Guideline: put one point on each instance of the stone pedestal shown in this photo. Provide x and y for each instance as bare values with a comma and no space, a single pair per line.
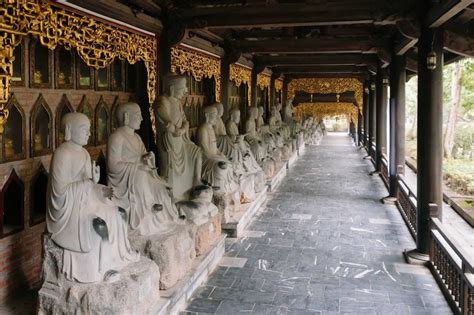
173,252
207,234
226,203
276,179
136,292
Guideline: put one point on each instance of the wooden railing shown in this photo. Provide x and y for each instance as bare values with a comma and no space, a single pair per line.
373,151
406,202
453,269
384,171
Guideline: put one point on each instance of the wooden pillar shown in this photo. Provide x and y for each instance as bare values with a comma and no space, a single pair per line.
372,117
272,90
164,60
359,127
253,87
284,91
366,113
225,79
381,117
429,144
397,121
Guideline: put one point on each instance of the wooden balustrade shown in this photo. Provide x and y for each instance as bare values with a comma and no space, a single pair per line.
406,202
384,171
453,269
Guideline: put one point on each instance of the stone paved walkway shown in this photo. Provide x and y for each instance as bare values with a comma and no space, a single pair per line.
324,244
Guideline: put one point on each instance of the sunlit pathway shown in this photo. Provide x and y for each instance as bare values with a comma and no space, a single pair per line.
324,244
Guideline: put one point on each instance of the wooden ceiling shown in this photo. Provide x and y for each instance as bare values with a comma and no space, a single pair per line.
309,38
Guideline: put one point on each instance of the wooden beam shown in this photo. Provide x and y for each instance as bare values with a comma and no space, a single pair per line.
308,45
445,10
325,75
319,59
459,43
121,12
321,69
283,15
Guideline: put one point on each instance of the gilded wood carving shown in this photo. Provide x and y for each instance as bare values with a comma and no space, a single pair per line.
326,86
319,110
278,85
239,75
198,64
97,43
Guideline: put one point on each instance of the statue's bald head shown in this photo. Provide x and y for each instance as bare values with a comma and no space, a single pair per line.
220,108
129,107
76,128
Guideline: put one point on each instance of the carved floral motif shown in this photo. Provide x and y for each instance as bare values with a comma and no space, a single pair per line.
319,110
278,85
239,75
326,86
198,64
96,42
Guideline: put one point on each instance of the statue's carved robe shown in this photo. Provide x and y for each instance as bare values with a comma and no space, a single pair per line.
74,201
180,159
211,172
255,142
137,186
226,146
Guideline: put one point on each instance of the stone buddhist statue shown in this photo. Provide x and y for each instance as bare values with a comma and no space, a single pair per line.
216,168
260,122
180,160
81,217
252,136
132,173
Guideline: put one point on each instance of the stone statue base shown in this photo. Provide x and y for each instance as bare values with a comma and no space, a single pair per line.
173,252
207,234
227,203
286,151
135,292
269,168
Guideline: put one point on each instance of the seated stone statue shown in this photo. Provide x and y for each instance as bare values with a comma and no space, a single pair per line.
80,216
252,136
200,208
216,168
132,173
180,160
260,122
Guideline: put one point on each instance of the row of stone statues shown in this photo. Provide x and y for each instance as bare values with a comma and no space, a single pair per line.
167,214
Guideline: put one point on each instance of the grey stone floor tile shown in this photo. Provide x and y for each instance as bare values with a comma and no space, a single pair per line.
324,244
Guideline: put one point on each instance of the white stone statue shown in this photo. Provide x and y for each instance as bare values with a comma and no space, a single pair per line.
216,168
260,122
200,208
132,173
82,219
288,112
180,159
252,136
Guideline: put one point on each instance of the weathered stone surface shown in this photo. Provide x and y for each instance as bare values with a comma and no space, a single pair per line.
136,292
227,204
172,252
207,234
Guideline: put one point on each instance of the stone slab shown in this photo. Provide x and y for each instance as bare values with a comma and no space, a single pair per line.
207,234
244,216
273,183
178,296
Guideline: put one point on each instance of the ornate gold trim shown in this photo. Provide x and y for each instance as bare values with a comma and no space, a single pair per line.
326,86
278,85
96,42
197,64
239,75
319,110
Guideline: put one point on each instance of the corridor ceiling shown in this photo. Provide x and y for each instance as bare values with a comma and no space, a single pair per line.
312,38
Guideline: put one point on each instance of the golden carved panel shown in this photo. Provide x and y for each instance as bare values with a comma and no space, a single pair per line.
96,42
263,80
239,75
326,86
319,110
278,85
198,64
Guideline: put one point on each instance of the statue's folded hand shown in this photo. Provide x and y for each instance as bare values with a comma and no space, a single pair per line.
108,192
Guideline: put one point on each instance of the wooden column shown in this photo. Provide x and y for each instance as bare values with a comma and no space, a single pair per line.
372,117
164,60
381,117
397,121
366,113
253,86
225,75
429,144
284,95
271,101
359,127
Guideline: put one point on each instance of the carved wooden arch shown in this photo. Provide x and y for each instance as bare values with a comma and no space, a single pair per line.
101,104
327,86
12,179
13,103
240,74
198,64
34,203
328,108
64,102
263,81
39,104
114,124
96,42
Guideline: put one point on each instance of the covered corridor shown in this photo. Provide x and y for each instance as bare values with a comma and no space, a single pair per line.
324,243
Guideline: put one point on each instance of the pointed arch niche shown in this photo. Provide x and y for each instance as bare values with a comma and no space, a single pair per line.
86,109
13,139
102,122
114,119
41,133
11,205
64,108
38,187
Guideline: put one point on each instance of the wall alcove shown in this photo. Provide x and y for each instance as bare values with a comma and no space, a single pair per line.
11,205
102,122
38,187
86,109
14,137
41,132
41,62
64,68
